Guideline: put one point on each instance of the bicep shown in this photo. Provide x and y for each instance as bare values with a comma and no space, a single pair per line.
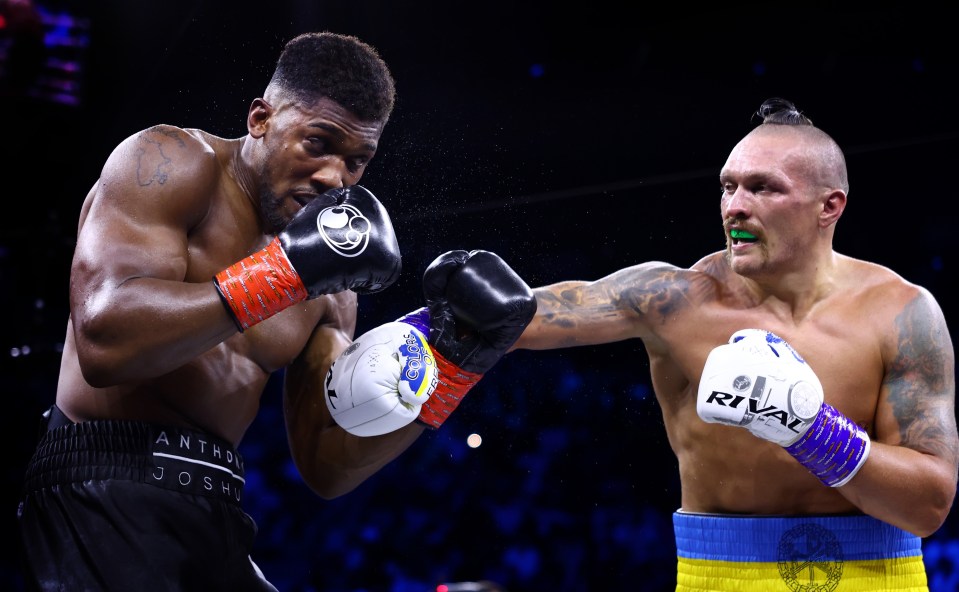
917,403
136,223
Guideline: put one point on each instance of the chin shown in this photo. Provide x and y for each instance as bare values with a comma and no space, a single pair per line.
744,265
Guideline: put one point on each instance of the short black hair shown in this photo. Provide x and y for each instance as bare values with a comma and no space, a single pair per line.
339,67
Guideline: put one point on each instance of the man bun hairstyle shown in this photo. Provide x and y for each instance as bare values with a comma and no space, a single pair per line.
782,112
339,67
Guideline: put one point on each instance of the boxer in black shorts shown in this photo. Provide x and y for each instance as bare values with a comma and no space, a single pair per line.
203,265
110,484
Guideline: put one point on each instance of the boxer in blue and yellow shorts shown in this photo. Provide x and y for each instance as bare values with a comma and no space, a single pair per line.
795,553
793,380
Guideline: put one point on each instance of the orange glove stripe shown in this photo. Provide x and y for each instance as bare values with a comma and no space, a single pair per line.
452,385
261,285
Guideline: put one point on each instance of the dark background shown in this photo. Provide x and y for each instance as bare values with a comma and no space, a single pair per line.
573,142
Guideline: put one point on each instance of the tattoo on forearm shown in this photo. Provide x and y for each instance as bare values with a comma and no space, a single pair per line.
652,292
656,294
922,385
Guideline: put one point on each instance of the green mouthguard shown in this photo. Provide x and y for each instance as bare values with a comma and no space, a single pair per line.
736,233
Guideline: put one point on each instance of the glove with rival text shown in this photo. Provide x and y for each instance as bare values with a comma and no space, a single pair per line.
758,381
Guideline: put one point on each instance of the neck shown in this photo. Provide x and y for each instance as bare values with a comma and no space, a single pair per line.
241,171
796,291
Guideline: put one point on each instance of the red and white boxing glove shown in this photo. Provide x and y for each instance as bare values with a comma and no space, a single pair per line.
378,384
477,307
759,382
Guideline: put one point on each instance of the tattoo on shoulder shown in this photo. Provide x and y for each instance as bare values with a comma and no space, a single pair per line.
153,164
922,381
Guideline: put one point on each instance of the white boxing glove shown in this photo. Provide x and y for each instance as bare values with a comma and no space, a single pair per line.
378,383
758,381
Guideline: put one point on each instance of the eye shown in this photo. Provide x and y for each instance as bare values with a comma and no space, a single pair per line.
316,144
357,163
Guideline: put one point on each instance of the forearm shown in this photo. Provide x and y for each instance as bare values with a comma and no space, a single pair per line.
147,327
575,313
332,462
903,487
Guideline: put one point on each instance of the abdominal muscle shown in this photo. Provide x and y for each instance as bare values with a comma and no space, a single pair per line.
218,393
727,470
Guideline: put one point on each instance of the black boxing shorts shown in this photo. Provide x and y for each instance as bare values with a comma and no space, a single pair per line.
123,505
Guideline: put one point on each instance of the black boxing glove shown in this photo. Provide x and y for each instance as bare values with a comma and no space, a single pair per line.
341,240
476,309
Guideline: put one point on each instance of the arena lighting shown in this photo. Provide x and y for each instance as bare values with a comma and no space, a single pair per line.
484,586
45,51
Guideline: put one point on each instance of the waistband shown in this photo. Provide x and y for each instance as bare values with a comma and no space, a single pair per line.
770,539
168,457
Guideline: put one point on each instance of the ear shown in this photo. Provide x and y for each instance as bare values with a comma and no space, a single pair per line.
832,208
257,118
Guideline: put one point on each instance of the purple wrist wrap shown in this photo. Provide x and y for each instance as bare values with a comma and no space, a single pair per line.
833,448
420,319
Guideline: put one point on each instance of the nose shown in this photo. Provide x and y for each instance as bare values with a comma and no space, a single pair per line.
737,204
332,174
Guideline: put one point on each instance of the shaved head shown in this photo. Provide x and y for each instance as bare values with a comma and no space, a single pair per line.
824,161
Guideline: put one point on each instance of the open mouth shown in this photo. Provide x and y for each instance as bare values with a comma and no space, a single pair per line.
741,236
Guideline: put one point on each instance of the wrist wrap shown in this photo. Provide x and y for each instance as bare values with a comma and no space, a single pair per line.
452,385
834,448
259,286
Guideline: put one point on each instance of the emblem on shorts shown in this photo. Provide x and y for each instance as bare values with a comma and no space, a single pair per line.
741,383
810,559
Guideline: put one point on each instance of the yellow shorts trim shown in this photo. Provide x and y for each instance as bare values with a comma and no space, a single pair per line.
901,575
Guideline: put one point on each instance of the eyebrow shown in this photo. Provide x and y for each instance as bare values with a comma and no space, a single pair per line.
338,134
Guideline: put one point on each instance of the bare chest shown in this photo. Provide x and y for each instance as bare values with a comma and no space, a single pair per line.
230,235
842,348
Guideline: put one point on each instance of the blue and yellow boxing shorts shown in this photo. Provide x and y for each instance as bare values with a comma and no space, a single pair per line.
718,553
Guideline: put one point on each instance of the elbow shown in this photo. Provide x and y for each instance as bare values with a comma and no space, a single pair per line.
927,527
100,363
326,479
936,512
328,488
330,494
97,370
927,517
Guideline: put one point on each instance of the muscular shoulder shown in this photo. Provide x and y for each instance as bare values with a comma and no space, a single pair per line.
156,152
877,286
162,165
906,315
